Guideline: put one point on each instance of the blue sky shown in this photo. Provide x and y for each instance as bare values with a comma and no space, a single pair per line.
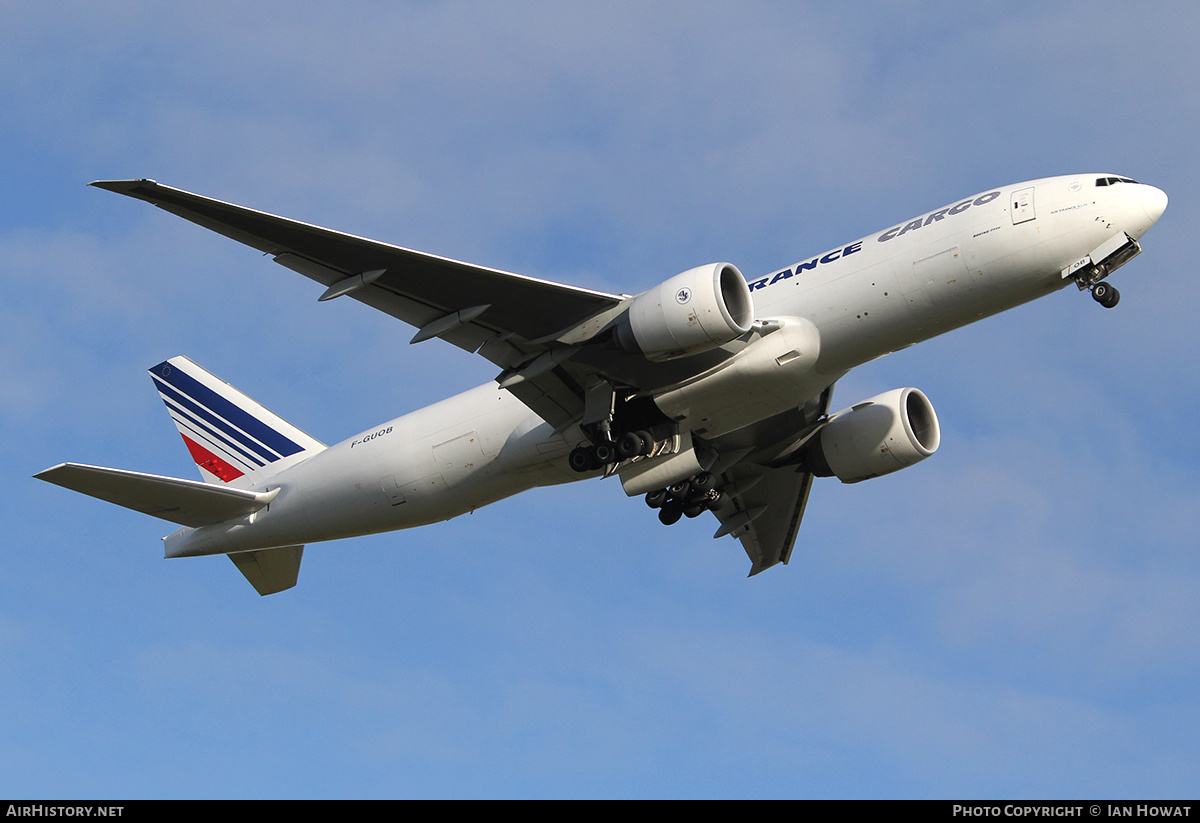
1015,617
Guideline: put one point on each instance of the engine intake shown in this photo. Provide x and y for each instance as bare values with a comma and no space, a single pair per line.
889,432
694,311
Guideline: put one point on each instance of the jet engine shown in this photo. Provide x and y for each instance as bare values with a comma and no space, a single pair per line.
700,309
889,432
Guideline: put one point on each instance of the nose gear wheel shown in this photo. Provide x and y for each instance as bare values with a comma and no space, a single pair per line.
1105,295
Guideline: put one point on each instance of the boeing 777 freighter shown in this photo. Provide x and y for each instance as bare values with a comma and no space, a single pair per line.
708,392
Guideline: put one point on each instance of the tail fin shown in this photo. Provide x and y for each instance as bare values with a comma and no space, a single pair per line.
233,439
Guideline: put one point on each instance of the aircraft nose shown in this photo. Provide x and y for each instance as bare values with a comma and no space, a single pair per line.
1154,201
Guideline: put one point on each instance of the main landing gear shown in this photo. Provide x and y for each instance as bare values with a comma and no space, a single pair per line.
1105,295
691,497
630,444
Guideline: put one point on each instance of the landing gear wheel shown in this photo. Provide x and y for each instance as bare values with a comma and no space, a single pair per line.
582,459
669,514
656,499
1105,295
647,441
630,445
606,453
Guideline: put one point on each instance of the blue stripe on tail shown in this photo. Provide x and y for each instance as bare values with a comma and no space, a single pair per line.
217,410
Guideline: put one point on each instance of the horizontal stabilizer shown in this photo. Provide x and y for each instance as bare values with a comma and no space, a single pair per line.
186,502
270,570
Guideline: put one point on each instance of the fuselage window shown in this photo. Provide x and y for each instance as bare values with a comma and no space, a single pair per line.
1112,181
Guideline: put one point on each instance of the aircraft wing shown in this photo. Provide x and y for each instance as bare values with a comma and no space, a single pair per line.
510,319
766,515
768,494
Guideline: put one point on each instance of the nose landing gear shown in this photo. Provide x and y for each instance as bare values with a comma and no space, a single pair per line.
1105,295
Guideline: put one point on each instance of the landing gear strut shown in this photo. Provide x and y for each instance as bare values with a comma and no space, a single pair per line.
1105,295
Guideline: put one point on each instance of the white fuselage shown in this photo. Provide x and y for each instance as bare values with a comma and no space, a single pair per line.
973,258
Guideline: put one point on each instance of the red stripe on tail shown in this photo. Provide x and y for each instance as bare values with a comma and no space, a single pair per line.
210,462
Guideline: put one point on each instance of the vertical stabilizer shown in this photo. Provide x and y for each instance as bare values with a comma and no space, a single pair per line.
233,439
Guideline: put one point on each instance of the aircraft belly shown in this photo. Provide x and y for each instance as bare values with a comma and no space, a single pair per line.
771,375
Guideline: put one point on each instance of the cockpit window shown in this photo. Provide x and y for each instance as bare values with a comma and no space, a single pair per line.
1112,181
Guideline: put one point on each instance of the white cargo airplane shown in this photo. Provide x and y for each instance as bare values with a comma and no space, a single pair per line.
707,392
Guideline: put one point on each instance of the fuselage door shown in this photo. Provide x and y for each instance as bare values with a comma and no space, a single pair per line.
1022,206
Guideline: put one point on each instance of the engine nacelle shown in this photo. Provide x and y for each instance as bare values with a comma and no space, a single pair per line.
700,309
889,432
